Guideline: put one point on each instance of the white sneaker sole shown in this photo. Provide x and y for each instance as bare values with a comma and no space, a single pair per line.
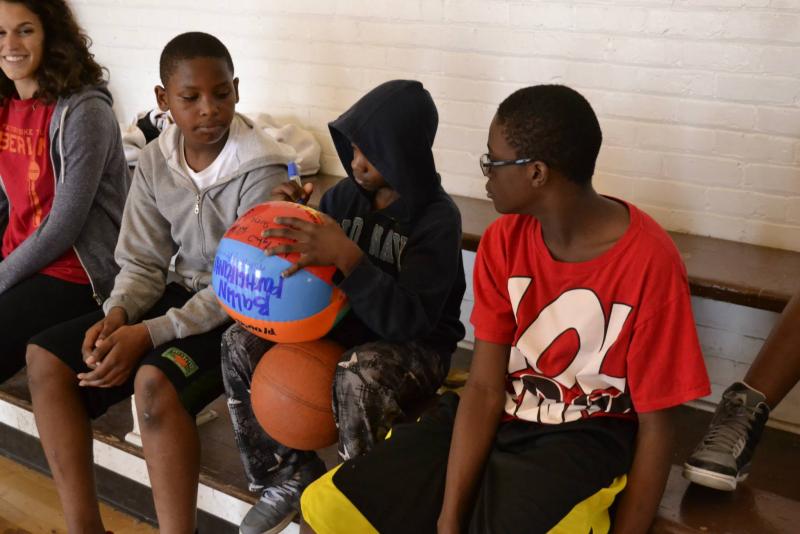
711,479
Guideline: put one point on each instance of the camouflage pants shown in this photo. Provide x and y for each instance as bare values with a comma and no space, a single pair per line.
374,384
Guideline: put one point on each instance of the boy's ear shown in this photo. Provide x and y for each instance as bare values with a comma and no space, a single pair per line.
236,88
161,98
540,173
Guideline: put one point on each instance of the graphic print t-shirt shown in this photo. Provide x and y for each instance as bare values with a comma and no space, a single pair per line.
610,336
28,180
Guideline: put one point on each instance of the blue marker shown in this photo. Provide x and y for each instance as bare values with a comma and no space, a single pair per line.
294,176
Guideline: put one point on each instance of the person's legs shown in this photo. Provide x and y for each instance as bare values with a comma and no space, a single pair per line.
173,383
171,449
33,305
375,383
534,479
62,410
776,369
723,456
277,472
397,487
66,438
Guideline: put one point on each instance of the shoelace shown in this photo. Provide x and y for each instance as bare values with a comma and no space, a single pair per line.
731,430
274,495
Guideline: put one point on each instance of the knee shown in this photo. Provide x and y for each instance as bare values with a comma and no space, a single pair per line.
44,366
356,367
155,397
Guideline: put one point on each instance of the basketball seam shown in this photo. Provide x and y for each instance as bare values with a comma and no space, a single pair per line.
289,393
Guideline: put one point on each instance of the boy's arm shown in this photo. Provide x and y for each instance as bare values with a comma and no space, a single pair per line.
648,474
410,305
478,415
143,252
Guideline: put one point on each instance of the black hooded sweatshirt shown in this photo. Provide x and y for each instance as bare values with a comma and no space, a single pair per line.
410,282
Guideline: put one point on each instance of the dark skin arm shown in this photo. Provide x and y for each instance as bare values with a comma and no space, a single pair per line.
111,348
777,367
648,475
477,418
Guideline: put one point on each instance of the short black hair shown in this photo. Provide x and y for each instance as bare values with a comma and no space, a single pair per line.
191,45
554,124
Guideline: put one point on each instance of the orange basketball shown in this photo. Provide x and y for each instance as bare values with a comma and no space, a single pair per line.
291,393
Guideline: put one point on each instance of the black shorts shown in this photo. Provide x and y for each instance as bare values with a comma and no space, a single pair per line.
33,305
191,364
536,478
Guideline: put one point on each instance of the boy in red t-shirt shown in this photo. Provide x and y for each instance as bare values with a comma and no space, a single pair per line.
583,328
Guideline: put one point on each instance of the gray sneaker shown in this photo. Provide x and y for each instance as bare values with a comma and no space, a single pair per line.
723,457
279,504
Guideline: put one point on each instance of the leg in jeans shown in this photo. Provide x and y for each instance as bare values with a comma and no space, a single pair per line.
375,383
279,473
66,437
266,462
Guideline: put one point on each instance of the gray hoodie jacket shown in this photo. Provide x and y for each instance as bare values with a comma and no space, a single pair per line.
166,215
92,180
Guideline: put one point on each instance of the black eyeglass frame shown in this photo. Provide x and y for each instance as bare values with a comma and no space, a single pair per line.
486,163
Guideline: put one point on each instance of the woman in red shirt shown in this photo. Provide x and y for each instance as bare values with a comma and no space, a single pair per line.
63,176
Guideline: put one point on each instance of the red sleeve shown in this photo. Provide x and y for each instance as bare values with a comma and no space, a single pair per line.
665,364
492,315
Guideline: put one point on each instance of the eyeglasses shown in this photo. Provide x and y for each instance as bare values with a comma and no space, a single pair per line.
488,163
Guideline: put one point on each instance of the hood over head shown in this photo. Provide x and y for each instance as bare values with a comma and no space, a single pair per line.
394,125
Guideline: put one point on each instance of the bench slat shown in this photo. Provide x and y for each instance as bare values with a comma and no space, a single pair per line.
728,271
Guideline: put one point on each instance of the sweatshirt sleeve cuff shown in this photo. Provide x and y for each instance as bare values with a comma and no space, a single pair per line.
161,330
359,278
118,302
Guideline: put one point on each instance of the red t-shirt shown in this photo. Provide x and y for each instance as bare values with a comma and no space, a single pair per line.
28,180
610,336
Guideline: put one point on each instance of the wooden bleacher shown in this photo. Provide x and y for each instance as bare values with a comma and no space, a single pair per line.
749,275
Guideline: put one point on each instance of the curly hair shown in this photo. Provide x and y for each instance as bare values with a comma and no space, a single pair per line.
553,124
67,65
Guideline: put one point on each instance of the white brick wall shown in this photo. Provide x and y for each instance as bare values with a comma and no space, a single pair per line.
699,99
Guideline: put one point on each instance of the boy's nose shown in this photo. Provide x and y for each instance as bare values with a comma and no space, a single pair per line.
207,106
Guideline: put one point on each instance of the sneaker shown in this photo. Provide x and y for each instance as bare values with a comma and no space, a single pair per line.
723,457
279,504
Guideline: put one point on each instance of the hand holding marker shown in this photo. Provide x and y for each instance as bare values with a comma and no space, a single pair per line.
294,176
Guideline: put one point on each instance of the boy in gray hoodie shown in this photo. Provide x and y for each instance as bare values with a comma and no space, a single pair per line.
159,335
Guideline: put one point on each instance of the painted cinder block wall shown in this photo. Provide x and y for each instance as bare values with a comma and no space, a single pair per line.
699,99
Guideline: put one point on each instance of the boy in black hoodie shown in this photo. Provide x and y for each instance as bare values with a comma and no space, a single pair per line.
395,236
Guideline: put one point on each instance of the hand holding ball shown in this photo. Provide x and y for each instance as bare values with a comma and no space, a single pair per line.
249,285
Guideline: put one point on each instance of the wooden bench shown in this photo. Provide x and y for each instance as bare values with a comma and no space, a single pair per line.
721,270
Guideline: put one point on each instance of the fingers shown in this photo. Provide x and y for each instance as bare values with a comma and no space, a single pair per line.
286,248
97,377
293,269
293,222
286,191
90,339
308,189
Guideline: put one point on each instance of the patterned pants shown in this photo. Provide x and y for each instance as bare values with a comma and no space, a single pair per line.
374,384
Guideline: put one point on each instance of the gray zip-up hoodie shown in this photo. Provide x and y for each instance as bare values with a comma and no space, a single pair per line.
92,180
166,215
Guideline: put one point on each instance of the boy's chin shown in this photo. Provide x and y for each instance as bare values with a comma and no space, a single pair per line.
207,137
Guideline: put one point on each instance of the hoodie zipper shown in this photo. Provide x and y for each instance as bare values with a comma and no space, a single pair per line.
95,296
